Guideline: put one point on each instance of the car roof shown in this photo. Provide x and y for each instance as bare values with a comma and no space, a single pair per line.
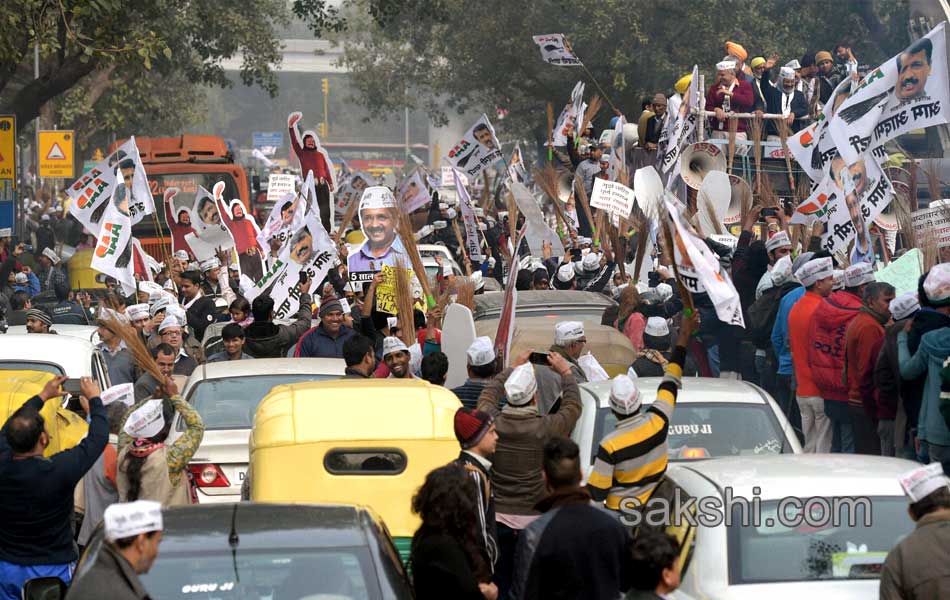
802,475
71,353
492,301
261,525
269,366
694,390
85,332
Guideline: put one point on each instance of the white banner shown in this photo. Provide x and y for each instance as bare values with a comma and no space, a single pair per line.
286,217
614,197
908,92
210,233
469,221
91,193
536,229
113,253
123,393
412,193
554,50
309,250
477,150
699,267
279,185
573,112
856,195
933,223
350,191
685,124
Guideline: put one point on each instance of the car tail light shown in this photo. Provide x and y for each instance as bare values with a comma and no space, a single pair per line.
693,453
208,475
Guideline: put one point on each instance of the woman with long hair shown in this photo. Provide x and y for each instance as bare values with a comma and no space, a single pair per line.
630,321
150,468
446,558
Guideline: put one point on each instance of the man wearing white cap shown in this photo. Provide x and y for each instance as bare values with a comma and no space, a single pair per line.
116,354
569,342
631,460
919,566
817,277
895,397
378,223
133,531
36,491
171,333
928,361
564,278
655,356
863,340
396,356
49,272
826,351
522,433
729,94
482,366
139,317
787,101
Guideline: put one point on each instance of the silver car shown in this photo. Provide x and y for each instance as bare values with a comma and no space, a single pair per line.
713,418
226,395
824,525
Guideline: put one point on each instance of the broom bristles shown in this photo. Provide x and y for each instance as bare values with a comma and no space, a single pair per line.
404,308
465,293
407,235
592,109
140,354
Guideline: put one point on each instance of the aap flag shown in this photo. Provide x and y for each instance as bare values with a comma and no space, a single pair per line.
113,253
537,230
554,50
472,247
516,165
908,92
572,113
699,268
91,193
856,195
684,125
310,251
351,188
412,193
209,233
285,218
477,150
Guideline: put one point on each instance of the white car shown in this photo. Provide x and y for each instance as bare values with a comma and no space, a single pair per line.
713,418
825,525
226,395
85,332
72,356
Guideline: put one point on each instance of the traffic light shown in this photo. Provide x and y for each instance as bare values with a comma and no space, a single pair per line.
322,129
325,85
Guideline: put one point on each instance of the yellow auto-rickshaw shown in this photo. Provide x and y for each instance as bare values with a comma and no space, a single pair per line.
81,275
65,428
353,441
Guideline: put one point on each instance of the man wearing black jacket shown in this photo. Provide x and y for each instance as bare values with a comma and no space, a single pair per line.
199,309
785,100
36,493
476,434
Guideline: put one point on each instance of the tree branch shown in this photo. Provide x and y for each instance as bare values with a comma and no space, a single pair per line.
27,102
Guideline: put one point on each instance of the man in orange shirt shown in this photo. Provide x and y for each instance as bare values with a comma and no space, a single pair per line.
817,275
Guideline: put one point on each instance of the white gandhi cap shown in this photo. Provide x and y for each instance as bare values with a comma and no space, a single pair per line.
128,519
481,352
568,331
521,385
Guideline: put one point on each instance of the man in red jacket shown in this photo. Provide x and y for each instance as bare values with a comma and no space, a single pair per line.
817,275
826,355
863,341
728,94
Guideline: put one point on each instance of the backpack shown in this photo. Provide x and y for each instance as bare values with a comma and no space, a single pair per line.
763,312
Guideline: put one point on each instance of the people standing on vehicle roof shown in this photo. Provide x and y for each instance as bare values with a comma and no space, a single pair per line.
36,492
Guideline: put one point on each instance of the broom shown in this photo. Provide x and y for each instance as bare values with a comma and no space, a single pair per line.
757,151
140,354
592,109
580,194
406,234
403,291
486,193
733,129
642,225
465,293
547,179
783,131
458,237
347,219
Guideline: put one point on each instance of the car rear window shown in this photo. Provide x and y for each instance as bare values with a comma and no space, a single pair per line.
817,540
711,430
365,461
333,573
14,365
231,403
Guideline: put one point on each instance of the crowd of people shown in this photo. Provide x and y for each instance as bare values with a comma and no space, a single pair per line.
855,368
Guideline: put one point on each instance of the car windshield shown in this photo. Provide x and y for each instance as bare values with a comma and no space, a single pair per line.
801,547
710,430
23,365
337,573
231,403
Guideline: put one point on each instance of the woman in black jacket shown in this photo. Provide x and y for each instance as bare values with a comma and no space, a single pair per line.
445,555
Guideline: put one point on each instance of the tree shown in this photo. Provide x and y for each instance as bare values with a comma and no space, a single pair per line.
455,55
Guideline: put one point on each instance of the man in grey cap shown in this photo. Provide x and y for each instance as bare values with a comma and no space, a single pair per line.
38,321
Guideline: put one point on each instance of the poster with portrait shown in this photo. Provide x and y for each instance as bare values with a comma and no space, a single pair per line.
555,51
567,121
244,231
209,231
469,222
477,150
910,91
91,193
412,194
286,217
309,250
684,123
113,253
351,188
381,245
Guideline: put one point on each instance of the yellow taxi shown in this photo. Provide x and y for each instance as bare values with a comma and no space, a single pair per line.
352,441
65,428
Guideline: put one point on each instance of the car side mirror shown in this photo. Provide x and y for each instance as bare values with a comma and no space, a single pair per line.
44,588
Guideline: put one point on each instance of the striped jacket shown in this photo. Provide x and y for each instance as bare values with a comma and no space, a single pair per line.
485,497
631,460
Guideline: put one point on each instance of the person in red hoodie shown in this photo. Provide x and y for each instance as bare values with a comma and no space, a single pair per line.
826,355
817,275
728,94
863,341
314,158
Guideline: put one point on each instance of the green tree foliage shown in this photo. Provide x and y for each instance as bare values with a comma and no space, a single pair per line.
455,55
